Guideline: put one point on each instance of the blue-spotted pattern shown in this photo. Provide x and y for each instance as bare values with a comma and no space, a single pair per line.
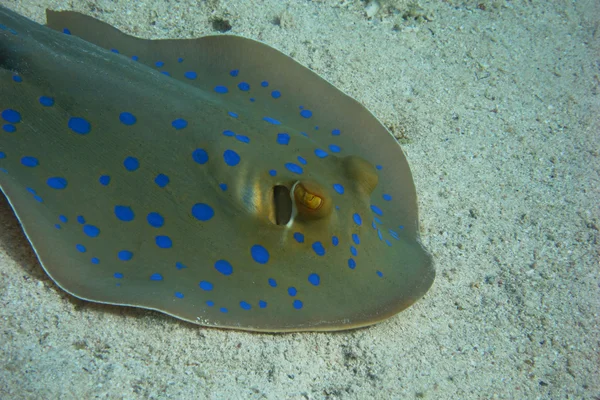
161,188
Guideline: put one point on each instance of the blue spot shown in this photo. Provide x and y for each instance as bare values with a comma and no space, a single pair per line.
380,274
200,156
30,161
355,239
353,251
388,242
262,304
115,51
57,183
292,291
228,133
335,148
210,303
12,116
318,248
299,237
95,260
376,219
351,263
180,60
232,114
179,265
231,158
259,254
223,310
321,153
242,138
46,101
118,275
155,219
224,267
295,168
221,89
127,118
314,279
179,295
38,198
124,213
161,180
66,31
2,155
234,72
179,123
272,282
302,160
17,78
379,167
304,134
164,242
276,94
62,218
357,219
243,86
306,113
202,212
131,163
135,58
81,248
125,255
79,125
190,75
32,191
264,84
245,305
376,210
159,64
9,128
338,188
335,132
335,241
223,186
104,180
283,138
394,234
167,73
298,304
387,197
252,99
379,234
156,277
91,230
57,226
205,285
272,172
271,120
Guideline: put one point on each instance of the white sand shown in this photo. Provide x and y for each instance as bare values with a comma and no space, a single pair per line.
501,110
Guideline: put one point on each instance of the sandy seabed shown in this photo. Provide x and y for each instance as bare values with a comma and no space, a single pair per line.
496,104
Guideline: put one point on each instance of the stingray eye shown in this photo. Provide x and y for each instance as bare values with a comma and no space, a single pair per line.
311,200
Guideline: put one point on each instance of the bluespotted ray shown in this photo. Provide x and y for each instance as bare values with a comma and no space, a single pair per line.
213,179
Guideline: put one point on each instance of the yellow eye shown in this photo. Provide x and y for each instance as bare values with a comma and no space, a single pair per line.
306,198
312,200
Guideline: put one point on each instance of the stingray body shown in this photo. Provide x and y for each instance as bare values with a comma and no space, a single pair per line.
212,179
